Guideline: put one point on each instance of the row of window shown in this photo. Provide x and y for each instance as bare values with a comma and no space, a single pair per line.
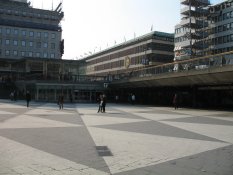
222,28
138,60
28,14
135,50
24,33
227,49
222,17
17,53
24,43
222,39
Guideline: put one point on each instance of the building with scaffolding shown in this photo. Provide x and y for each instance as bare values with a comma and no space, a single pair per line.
204,29
191,32
29,32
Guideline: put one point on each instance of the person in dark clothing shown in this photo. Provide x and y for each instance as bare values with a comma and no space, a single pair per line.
175,101
104,103
61,101
100,101
28,98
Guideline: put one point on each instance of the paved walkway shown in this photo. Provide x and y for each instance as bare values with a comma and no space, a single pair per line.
126,140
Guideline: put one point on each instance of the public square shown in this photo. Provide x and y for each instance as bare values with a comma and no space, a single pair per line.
126,140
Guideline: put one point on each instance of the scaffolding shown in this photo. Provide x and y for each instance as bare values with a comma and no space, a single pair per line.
194,19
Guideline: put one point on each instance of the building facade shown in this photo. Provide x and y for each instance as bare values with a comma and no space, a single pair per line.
221,27
151,49
191,32
29,32
204,29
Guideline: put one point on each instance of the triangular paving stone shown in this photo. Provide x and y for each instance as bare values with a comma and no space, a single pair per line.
74,144
157,128
47,112
221,132
105,120
5,112
12,106
23,159
25,121
136,150
158,117
202,120
217,161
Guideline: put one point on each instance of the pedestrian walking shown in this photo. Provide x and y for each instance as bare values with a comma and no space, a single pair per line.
28,98
175,101
133,98
61,101
104,103
100,102
116,98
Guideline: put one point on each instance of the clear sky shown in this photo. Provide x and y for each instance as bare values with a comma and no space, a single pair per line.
93,25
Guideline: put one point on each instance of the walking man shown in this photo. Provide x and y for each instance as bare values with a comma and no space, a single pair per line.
28,98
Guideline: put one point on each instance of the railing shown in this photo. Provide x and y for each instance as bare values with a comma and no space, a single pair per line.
196,64
38,77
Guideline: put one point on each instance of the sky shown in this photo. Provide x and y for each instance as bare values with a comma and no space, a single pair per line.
91,26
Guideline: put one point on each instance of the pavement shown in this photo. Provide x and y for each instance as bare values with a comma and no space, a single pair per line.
126,140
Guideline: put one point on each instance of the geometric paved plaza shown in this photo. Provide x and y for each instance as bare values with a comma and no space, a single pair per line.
126,140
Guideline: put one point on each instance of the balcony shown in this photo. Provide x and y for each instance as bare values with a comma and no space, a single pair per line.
195,24
195,2
195,13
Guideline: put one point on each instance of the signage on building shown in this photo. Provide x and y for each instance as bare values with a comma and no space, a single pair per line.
127,62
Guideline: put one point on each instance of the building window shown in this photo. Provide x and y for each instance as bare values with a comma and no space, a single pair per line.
31,33
30,54
38,45
52,45
7,42
23,54
52,55
15,53
38,34
0,30
16,31
23,32
0,41
30,43
23,43
38,54
15,42
53,35
46,34
7,52
45,45
45,55
8,31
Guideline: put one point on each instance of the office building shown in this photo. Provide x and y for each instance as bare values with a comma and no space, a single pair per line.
154,48
221,27
204,29
29,32
191,32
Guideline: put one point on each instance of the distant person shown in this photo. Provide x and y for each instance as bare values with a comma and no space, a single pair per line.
104,103
15,95
117,98
28,98
61,101
133,99
175,101
12,96
100,102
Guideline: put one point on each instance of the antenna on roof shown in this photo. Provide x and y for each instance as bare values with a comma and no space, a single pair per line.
52,5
